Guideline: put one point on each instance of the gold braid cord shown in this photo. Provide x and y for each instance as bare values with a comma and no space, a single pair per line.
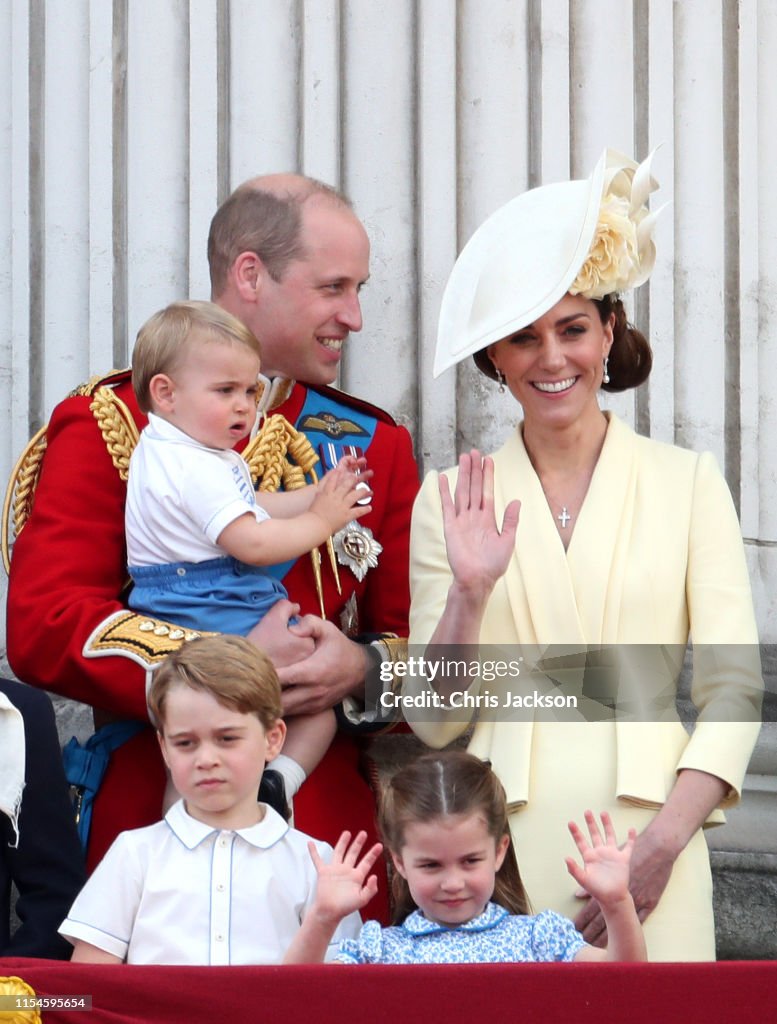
117,426
20,492
269,457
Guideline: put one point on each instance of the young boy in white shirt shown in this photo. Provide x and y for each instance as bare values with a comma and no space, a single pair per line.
199,544
222,879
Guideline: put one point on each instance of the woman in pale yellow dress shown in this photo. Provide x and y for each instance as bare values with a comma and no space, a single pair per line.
623,543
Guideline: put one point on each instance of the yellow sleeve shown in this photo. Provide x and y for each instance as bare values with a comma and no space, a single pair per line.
727,684
430,578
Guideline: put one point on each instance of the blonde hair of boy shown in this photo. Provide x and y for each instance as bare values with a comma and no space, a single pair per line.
234,672
162,341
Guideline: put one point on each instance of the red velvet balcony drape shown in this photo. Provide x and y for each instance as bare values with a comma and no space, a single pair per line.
554,994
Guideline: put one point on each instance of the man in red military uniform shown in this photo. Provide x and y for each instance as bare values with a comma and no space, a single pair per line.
288,257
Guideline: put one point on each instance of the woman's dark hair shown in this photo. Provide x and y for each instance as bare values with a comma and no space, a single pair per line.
631,357
437,786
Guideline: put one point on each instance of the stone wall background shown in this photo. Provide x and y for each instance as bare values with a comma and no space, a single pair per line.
123,124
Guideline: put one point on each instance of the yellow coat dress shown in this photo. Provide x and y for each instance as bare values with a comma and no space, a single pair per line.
656,554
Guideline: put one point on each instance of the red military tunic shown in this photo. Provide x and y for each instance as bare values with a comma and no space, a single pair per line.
69,572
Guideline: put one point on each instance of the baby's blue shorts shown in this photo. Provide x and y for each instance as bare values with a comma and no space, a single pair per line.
221,595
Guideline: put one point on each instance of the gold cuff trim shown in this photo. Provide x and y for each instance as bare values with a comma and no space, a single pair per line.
147,640
393,649
396,647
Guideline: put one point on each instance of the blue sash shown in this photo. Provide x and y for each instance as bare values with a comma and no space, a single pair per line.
86,764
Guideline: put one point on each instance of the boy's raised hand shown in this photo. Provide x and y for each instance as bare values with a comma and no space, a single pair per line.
604,872
345,883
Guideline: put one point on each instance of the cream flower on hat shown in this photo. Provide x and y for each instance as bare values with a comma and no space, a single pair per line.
622,254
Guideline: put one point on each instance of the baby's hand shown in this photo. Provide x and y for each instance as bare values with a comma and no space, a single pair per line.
351,466
604,873
338,494
345,884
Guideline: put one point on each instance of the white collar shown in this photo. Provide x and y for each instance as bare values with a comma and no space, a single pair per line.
418,924
12,762
273,392
160,429
192,832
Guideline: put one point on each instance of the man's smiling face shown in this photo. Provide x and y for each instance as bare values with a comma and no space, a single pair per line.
303,320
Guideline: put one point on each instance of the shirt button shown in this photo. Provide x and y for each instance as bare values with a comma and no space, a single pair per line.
220,887
222,842
181,571
219,938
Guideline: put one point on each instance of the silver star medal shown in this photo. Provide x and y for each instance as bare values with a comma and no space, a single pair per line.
357,549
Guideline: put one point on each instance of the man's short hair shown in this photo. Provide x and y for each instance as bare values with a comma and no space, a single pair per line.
230,668
161,341
263,222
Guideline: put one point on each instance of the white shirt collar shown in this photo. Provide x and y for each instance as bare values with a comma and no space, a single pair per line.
273,393
12,762
192,832
162,429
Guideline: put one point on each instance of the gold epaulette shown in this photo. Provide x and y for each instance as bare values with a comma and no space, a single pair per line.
88,388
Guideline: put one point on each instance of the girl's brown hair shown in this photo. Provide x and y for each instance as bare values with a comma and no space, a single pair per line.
436,786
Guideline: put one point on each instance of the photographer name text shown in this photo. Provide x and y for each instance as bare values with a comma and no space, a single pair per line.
449,670
465,699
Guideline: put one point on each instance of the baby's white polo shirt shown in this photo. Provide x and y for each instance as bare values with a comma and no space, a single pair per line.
181,892
181,495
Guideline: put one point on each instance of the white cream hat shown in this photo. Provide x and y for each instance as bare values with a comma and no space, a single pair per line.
591,237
